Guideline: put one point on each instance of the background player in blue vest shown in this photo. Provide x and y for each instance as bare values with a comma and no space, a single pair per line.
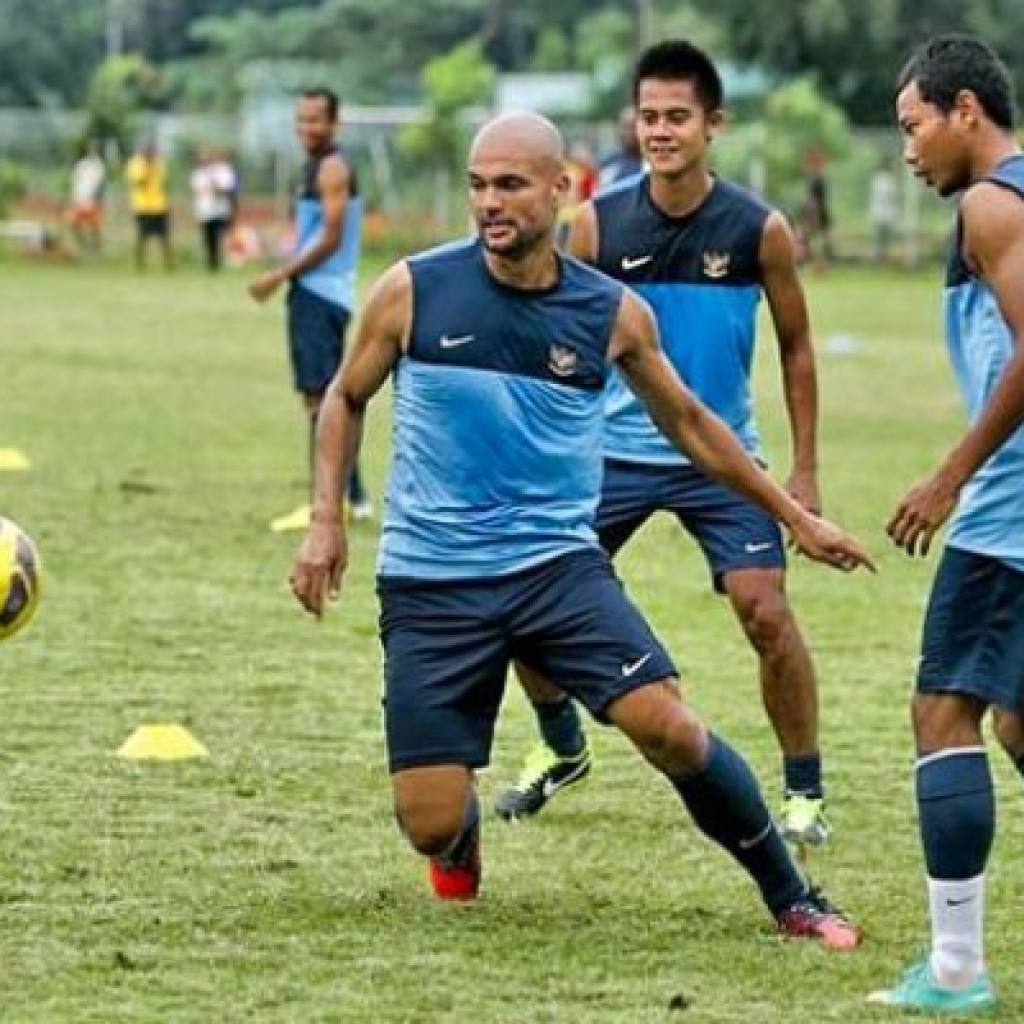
321,272
955,108
499,349
701,250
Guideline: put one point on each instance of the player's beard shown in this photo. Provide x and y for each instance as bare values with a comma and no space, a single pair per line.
524,241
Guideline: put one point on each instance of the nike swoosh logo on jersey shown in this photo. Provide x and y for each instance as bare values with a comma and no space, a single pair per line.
462,339
632,262
632,667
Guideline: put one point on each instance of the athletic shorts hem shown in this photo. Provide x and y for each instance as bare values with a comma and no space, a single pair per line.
436,759
771,560
634,683
979,690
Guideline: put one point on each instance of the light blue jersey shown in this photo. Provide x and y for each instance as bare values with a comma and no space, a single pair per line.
334,278
498,420
990,516
701,276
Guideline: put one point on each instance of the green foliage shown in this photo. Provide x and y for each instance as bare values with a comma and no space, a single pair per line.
121,89
451,83
798,119
13,184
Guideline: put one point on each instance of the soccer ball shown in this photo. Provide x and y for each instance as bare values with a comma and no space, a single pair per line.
20,578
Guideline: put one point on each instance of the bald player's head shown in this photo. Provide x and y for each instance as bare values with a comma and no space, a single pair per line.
517,182
525,135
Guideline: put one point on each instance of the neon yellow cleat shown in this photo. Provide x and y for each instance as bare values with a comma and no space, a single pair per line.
803,821
297,520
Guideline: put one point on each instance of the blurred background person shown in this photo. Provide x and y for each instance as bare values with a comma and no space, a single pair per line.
214,187
85,213
816,212
883,209
626,160
146,174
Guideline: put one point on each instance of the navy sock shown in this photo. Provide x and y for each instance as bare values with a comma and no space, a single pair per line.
956,811
560,726
727,806
462,845
1019,762
802,775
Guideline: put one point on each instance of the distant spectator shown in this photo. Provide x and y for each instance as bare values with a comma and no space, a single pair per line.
85,213
816,219
214,185
626,160
883,209
147,176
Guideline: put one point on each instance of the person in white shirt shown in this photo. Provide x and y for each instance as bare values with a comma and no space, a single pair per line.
214,184
884,209
85,213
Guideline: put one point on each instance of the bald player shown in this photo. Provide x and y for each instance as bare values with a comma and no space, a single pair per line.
500,349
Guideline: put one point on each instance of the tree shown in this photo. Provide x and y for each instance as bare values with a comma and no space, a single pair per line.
122,88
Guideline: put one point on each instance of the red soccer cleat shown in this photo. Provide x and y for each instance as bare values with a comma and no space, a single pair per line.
459,881
813,917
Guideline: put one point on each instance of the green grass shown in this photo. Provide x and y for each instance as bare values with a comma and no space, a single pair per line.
268,882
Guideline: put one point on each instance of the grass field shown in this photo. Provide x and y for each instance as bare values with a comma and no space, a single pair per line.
267,883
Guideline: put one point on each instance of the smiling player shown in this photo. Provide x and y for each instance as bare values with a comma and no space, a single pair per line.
701,250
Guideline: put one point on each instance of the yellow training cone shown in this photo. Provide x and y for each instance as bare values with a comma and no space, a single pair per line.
13,459
161,743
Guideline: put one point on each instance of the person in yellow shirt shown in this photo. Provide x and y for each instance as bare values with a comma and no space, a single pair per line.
147,177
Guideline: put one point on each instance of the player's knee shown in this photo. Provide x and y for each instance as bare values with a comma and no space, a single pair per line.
430,828
766,618
668,734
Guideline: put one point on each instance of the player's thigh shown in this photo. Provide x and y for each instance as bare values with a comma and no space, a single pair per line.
314,339
972,640
577,628
445,660
732,531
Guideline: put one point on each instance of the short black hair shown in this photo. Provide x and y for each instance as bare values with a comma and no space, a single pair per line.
329,96
948,64
680,60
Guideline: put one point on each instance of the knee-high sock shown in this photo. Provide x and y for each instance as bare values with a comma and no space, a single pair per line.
957,819
727,805
560,726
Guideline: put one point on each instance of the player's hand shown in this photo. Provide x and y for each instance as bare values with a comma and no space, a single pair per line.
802,485
319,565
265,285
919,515
822,541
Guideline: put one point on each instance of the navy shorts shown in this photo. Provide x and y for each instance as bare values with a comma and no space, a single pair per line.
153,225
731,530
973,636
316,339
448,645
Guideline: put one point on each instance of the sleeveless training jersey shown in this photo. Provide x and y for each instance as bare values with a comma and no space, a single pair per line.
700,274
333,279
497,419
990,515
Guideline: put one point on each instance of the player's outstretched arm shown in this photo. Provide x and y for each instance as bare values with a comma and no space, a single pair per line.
993,241
693,428
378,343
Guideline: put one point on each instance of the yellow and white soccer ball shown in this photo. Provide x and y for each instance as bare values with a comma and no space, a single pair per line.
20,578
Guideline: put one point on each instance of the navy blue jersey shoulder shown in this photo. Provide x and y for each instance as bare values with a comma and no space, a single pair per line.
311,172
717,244
1009,174
463,316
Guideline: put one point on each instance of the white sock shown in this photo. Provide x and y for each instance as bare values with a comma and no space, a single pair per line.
958,910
